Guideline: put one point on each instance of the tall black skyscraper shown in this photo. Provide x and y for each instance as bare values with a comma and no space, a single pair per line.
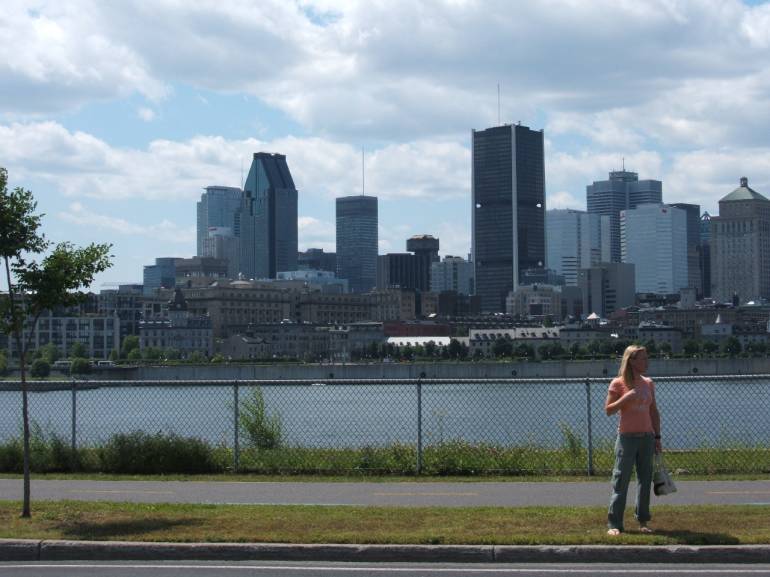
357,241
622,191
268,218
508,191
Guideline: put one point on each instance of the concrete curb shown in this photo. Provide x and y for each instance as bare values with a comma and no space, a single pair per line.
34,550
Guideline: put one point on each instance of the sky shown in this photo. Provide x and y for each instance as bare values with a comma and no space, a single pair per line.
117,114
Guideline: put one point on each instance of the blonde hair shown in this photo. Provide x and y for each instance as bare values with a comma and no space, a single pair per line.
626,371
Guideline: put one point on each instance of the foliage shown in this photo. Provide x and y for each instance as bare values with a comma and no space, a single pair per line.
197,357
217,359
692,347
3,363
135,355
261,430
710,347
78,351
732,346
152,354
50,353
80,366
173,354
141,453
130,343
35,287
40,369
502,347
114,355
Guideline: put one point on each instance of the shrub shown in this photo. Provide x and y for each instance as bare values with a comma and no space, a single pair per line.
80,366
40,368
261,430
139,453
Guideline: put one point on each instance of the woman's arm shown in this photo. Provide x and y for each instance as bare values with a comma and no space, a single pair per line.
615,401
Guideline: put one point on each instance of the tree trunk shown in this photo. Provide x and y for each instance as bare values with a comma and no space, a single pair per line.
25,511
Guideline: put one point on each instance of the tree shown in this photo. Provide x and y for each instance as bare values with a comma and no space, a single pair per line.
40,368
130,343
78,351
49,353
3,363
80,366
692,348
665,348
502,347
732,346
710,347
35,287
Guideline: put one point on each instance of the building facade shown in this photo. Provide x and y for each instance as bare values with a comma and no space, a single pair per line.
161,275
221,243
576,239
694,273
357,236
268,218
218,207
508,209
740,246
607,287
622,191
317,259
454,273
654,238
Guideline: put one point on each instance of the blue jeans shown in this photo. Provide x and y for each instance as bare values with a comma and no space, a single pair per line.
631,449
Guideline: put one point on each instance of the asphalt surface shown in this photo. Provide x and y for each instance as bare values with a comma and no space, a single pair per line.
424,494
176,569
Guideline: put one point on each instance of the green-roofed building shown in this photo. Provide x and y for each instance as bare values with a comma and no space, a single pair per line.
740,246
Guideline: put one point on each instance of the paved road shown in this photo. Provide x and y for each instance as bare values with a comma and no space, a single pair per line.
177,569
510,494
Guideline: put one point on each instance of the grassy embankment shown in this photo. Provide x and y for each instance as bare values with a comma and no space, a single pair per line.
693,525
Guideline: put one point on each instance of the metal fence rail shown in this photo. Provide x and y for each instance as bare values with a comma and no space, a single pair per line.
709,424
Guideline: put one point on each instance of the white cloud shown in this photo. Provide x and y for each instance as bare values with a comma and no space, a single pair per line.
146,114
164,231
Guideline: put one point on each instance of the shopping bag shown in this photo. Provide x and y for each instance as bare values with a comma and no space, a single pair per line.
662,482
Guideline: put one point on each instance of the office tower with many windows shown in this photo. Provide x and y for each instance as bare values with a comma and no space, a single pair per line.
740,246
622,191
575,239
704,257
654,238
267,218
217,208
356,218
508,209
454,273
694,274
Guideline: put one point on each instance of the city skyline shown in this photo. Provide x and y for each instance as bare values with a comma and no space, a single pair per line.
117,117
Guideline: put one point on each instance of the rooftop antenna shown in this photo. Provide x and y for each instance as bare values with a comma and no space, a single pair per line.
363,176
623,163
498,104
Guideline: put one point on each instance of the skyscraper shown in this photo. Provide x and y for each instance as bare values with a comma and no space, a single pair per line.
217,207
268,218
704,256
575,240
740,246
508,222
357,241
694,274
622,191
654,238
425,248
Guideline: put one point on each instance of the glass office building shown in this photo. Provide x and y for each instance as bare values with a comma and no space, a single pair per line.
217,208
357,241
267,218
508,196
622,191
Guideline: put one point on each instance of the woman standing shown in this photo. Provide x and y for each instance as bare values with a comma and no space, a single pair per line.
633,395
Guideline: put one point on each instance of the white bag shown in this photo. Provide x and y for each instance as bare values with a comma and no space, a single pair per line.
662,483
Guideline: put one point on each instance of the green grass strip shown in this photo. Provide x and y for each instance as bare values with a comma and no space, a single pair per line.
690,525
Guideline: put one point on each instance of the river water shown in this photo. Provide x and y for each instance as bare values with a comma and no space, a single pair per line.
696,413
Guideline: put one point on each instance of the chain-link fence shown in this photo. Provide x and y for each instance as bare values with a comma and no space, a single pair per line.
474,426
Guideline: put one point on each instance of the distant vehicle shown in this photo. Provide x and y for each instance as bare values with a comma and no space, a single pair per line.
105,363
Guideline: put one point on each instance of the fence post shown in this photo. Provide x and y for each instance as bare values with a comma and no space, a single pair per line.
589,427
419,424
73,431
236,440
